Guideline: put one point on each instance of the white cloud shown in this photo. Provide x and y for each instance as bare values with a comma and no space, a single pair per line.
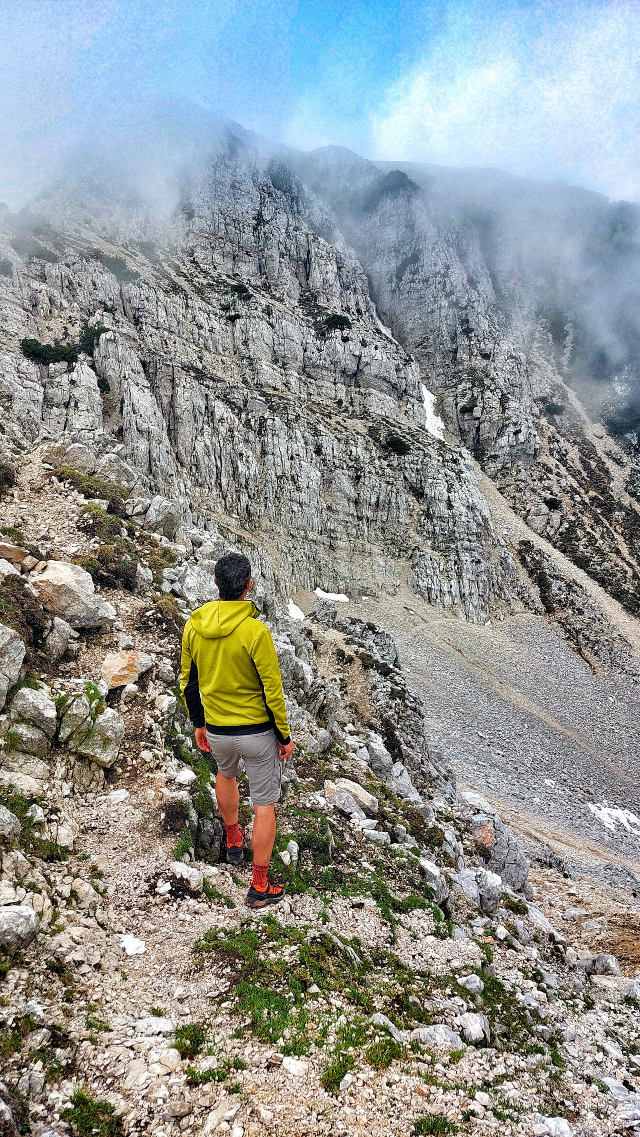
556,101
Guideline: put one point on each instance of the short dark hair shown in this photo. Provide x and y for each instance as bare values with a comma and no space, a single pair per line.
233,573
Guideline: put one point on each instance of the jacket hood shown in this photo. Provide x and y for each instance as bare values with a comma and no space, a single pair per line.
220,618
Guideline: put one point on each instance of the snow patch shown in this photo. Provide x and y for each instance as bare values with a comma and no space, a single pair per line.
611,817
133,946
332,596
294,612
432,421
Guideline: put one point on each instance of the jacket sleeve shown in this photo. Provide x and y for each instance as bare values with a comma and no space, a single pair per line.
263,654
189,682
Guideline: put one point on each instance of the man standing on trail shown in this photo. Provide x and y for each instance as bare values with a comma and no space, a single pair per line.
233,691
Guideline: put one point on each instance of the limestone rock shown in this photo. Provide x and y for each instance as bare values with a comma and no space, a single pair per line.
367,802
37,707
380,759
59,638
192,877
378,836
80,458
434,879
29,738
475,1027
480,887
342,800
124,667
102,742
500,850
9,824
115,469
18,927
20,764
76,720
439,1036
14,554
163,516
400,782
68,591
150,1026
12,651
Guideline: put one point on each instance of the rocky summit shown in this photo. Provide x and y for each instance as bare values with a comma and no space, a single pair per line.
329,366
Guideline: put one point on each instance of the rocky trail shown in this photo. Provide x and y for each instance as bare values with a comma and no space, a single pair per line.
421,977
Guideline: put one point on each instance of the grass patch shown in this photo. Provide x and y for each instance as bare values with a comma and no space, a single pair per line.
97,1024
110,566
22,612
220,1074
434,1123
383,1053
513,905
12,1039
116,265
90,1116
184,844
189,1039
90,485
157,1012
212,893
333,1074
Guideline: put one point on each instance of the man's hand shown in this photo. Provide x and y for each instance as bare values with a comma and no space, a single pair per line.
286,750
201,738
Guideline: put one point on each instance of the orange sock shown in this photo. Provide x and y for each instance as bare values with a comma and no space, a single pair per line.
235,835
260,877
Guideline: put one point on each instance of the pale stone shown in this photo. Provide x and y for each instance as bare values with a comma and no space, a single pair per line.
80,458
192,877
475,1027
102,742
123,667
9,824
12,650
367,802
18,927
59,638
68,591
29,738
37,707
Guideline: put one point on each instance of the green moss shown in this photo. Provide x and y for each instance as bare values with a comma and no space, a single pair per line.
189,1039
11,1040
517,906
89,1116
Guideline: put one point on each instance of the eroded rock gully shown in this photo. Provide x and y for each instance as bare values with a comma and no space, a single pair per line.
419,968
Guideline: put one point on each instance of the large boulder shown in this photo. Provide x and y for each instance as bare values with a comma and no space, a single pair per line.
498,847
163,516
367,802
68,591
37,707
80,458
401,784
12,651
29,739
18,927
115,469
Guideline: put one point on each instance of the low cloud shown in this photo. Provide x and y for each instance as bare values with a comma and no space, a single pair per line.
549,96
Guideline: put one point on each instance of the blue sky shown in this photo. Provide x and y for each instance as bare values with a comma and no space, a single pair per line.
549,91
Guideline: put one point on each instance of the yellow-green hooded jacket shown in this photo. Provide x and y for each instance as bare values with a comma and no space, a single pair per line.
230,672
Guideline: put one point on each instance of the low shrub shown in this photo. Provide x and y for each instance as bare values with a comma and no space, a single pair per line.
29,247
7,476
116,265
92,486
22,611
336,323
397,444
90,337
189,1039
90,1116
48,352
111,567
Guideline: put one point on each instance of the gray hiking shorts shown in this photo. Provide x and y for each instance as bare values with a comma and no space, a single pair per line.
261,755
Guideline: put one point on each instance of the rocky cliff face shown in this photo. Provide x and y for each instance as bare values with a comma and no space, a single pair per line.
492,339
242,370
235,359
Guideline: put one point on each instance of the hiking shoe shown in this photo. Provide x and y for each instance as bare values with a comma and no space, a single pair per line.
272,894
235,853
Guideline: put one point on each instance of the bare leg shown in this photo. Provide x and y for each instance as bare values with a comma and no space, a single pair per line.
263,834
228,799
